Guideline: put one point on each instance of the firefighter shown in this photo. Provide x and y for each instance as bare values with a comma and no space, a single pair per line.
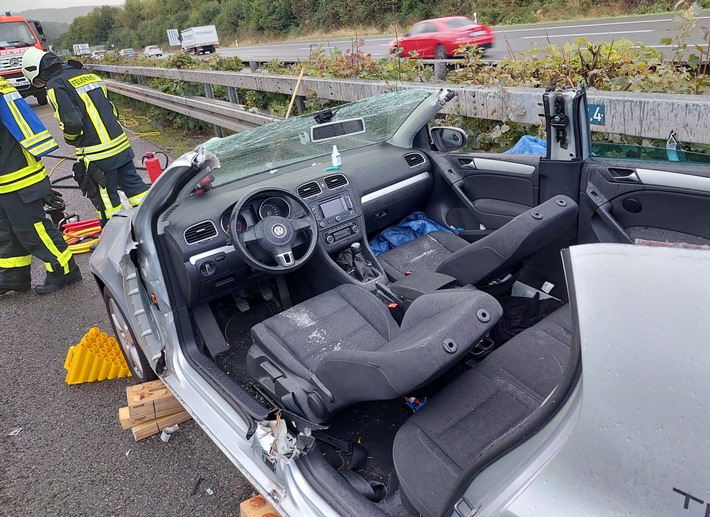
25,229
89,122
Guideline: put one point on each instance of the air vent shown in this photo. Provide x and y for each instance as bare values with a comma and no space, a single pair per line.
309,189
335,181
414,159
200,232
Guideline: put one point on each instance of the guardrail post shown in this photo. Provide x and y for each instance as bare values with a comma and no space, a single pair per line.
300,104
440,70
232,95
209,93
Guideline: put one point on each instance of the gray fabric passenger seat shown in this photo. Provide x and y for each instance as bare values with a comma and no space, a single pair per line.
440,441
498,253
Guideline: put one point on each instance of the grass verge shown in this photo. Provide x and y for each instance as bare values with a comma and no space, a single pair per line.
175,142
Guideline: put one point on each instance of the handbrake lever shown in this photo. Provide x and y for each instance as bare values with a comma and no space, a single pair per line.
396,304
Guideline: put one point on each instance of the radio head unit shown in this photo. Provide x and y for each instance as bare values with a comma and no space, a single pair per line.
333,210
333,207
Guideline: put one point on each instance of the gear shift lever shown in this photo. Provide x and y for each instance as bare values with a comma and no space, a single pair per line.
363,270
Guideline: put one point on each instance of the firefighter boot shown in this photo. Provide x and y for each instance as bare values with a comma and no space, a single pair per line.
15,279
18,289
55,283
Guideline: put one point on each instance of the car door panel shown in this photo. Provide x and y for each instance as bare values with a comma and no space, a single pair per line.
663,202
485,191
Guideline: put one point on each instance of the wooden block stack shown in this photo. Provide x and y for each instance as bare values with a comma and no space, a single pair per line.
151,408
257,507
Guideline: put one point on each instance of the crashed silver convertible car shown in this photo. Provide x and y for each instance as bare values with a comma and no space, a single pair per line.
543,351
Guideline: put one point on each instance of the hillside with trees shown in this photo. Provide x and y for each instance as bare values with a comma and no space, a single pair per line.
145,22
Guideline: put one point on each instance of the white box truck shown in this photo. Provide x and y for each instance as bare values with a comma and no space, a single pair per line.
200,40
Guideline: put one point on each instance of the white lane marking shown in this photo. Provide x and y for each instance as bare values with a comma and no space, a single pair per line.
546,36
542,27
665,46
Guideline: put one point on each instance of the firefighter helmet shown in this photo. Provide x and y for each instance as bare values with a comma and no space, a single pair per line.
31,62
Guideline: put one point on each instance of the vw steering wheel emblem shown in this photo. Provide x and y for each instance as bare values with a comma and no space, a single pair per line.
278,230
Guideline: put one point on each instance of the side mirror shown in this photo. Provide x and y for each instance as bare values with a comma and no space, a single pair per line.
406,34
448,138
40,31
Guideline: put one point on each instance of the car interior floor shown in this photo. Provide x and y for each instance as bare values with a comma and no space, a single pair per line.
237,324
360,438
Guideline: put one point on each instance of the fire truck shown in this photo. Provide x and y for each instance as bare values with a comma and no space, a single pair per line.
16,36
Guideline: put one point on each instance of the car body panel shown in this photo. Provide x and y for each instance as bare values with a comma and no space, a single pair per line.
451,32
641,445
115,267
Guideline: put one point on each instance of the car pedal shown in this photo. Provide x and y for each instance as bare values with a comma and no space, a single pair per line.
242,305
266,292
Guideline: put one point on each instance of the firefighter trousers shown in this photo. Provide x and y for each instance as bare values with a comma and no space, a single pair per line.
129,181
25,230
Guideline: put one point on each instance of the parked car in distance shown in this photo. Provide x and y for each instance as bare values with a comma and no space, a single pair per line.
440,37
153,51
128,52
98,54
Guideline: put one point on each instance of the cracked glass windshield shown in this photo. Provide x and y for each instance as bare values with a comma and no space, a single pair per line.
281,143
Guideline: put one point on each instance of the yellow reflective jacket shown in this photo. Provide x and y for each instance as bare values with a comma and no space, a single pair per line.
23,140
88,119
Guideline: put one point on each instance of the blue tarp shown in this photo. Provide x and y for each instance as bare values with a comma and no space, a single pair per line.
414,225
528,145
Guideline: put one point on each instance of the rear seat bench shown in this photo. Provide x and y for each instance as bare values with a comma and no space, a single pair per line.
440,441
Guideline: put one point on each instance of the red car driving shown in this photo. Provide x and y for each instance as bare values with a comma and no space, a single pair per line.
440,37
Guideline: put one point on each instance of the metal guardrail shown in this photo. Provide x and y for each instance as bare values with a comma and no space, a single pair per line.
645,115
214,111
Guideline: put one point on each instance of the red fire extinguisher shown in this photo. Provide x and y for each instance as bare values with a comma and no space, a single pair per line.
152,164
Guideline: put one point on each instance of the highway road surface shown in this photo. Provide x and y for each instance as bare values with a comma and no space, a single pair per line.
648,30
62,450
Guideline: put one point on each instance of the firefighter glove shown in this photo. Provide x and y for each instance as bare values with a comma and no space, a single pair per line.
54,200
86,183
97,175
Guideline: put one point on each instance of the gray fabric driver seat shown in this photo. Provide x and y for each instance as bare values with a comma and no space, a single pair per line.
344,347
493,255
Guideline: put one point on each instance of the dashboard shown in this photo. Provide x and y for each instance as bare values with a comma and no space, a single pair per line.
375,187
260,208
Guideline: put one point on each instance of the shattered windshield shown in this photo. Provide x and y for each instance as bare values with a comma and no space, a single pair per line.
281,143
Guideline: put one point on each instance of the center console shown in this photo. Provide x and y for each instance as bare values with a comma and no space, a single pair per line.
337,219
336,210
335,204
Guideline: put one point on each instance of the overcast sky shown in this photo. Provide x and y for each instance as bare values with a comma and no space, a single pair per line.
16,6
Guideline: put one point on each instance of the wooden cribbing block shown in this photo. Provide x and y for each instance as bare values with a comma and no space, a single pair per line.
149,401
124,417
145,429
257,507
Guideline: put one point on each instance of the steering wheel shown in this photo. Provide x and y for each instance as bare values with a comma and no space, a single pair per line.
275,235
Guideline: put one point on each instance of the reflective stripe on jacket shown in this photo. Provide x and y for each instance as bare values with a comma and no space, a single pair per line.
23,139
